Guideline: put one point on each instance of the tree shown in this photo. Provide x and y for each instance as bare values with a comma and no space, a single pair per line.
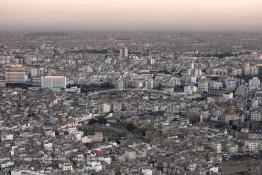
131,127
92,121
101,121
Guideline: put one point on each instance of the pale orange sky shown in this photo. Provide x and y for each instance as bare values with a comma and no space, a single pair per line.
131,15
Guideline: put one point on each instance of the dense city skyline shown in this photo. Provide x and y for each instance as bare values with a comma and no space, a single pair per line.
203,15
133,103
134,87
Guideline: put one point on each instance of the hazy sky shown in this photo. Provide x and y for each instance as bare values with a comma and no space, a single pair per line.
131,15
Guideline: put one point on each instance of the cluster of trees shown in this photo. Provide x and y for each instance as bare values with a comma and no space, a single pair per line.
139,132
93,87
131,127
99,120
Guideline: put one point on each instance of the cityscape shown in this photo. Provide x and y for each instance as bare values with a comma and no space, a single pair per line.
130,102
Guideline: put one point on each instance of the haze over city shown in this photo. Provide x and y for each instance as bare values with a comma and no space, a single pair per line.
130,87
203,15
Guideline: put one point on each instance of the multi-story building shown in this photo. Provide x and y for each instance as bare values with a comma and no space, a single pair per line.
232,148
217,147
53,81
252,145
198,72
237,72
105,107
215,85
123,52
16,74
219,71
256,116
242,91
203,86
249,69
254,83
231,83
189,90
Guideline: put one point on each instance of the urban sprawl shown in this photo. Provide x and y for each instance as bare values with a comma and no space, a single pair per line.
130,103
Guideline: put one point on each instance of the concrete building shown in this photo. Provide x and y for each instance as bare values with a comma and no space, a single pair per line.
53,81
217,147
219,72
230,83
66,166
193,63
149,84
242,91
97,137
189,90
228,96
16,74
105,108
147,172
215,85
256,116
232,148
123,52
254,83
34,72
247,69
198,72
203,86
2,83
237,72
252,145
120,84
130,154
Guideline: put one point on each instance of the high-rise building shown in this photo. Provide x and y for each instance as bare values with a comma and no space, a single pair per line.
16,74
126,52
247,69
203,86
123,52
53,81
193,63
120,84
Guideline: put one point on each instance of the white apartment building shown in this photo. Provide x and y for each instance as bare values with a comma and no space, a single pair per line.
53,81
254,83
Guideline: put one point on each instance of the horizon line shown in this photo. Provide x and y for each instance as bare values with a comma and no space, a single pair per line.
126,31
